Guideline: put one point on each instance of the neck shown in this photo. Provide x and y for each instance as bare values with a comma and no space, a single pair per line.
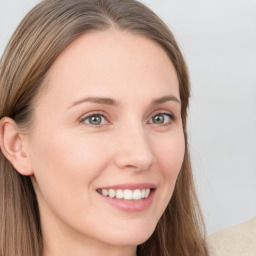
83,250
64,242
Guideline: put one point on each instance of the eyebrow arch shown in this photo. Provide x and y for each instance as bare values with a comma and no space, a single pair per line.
112,102
165,99
98,100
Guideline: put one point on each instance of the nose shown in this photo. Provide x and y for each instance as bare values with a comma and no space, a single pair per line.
134,150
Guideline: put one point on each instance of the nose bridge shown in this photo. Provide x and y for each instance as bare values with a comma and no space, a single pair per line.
134,147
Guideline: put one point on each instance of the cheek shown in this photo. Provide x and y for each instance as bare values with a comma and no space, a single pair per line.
67,154
170,154
170,158
65,164
65,168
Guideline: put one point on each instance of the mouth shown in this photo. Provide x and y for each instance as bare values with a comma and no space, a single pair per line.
126,194
129,197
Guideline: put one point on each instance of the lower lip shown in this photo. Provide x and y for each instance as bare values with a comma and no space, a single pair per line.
130,205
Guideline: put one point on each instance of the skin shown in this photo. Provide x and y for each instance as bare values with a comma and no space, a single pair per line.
69,158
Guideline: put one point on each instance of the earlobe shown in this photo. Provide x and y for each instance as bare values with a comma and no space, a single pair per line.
13,146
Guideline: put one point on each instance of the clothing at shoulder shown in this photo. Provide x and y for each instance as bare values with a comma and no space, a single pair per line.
239,240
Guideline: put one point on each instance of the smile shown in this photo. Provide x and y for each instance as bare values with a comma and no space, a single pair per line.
126,194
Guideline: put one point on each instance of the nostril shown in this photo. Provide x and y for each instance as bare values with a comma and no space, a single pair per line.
133,161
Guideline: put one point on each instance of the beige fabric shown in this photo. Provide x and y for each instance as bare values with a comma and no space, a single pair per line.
239,240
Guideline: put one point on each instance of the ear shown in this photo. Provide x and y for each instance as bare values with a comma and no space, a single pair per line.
13,146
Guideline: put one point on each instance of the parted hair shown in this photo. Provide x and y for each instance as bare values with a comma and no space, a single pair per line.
39,39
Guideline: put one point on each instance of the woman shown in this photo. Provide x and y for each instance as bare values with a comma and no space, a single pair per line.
94,154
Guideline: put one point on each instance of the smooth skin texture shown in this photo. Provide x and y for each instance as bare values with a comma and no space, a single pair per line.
77,146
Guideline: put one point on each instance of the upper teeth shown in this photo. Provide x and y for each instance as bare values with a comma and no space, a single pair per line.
127,194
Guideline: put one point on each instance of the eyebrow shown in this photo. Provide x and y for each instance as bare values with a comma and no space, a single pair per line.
112,102
165,99
98,100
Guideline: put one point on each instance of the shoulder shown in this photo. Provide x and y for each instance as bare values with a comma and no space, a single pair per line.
236,241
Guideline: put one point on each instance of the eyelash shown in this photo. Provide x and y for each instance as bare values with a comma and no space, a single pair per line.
97,114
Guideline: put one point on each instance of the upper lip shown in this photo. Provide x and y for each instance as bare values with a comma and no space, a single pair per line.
131,186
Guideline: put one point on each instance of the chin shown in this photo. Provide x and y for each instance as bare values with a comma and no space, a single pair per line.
128,237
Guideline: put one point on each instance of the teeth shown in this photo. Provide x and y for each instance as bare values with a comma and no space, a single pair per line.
147,192
143,192
136,195
126,194
119,194
111,193
104,192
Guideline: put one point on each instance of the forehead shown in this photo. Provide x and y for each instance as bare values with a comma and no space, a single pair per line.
113,60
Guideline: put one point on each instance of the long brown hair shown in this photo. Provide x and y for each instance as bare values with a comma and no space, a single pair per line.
42,35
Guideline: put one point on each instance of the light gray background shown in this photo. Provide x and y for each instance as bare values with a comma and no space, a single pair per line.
218,39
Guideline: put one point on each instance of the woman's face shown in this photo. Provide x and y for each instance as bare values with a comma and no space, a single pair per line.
107,131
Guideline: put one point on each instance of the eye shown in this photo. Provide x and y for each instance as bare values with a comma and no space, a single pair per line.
94,120
162,119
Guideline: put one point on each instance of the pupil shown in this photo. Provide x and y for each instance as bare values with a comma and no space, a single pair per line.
159,119
95,120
